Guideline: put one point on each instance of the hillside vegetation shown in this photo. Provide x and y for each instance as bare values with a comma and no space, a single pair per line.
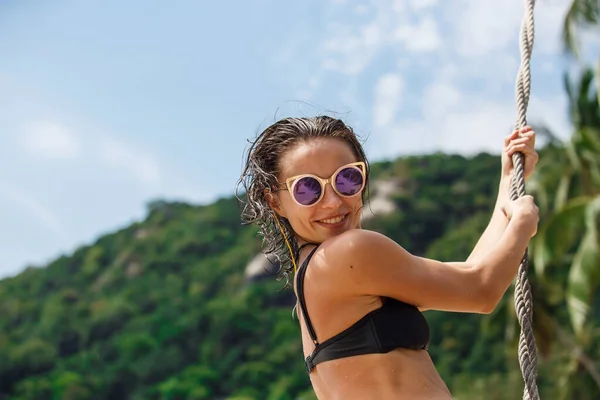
162,308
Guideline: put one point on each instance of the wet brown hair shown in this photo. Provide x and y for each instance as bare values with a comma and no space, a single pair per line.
262,166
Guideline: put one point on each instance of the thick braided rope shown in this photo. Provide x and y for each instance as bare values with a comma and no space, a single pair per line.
523,298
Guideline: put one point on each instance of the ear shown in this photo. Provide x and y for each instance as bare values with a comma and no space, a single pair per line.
273,201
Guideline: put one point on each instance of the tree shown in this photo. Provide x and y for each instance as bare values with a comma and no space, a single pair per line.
566,250
581,14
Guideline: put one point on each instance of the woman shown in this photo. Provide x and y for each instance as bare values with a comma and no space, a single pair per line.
361,294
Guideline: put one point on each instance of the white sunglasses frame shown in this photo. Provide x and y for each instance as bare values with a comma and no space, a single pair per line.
360,165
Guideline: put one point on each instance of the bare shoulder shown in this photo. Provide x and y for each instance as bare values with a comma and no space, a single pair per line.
358,250
357,241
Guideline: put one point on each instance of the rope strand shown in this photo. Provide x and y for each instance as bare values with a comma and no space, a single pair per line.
523,298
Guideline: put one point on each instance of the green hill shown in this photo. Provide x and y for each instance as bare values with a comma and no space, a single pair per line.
162,309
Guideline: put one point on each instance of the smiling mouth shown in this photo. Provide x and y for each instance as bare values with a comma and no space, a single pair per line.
334,220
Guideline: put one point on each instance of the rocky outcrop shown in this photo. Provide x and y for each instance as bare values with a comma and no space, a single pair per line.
260,267
381,198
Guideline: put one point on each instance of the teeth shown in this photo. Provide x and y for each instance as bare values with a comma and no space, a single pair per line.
333,220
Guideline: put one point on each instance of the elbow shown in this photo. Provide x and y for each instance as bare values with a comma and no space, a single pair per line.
484,302
488,296
488,305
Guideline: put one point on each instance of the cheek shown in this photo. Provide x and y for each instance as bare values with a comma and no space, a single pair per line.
355,203
356,207
301,217
290,210
298,217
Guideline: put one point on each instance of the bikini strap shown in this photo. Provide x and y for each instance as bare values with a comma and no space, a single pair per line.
301,273
297,253
297,256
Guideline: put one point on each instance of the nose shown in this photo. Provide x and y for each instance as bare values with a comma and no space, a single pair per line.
330,198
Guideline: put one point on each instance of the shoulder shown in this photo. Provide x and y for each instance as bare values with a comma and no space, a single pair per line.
356,240
360,251
359,242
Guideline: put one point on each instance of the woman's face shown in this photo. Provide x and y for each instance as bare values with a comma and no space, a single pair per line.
333,214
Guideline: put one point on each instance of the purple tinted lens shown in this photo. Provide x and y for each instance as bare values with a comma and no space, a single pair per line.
349,181
307,190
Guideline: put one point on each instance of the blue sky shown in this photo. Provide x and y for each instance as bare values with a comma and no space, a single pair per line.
106,105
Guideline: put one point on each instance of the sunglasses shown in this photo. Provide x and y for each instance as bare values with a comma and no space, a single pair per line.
307,189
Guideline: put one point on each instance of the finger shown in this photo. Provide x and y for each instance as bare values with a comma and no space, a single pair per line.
519,140
516,147
527,142
526,129
530,136
521,147
529,133
510,137
507,208
527,137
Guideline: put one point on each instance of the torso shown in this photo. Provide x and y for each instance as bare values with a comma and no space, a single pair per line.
399,374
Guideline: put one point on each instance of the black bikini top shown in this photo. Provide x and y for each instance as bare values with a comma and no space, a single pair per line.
394,325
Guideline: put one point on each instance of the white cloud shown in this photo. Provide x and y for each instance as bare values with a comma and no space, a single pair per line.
482,28
439,99
50,140
361,9
388,93
482,124
552,112
420,37
33,206
349,50
454,67
488,34
485,33
548,26
53,140
307,91
142,166
398,6
464,123
422,4
464,131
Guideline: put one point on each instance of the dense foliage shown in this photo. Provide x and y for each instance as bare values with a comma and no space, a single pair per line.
162,309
